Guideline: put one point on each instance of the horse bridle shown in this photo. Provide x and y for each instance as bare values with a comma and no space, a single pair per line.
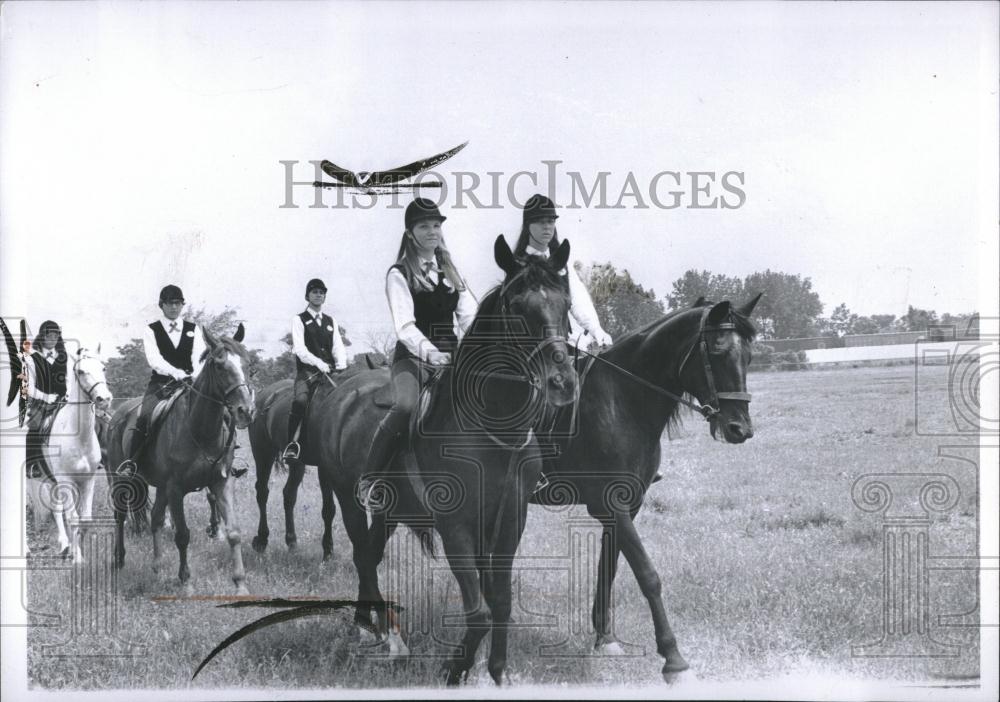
89,392
710,409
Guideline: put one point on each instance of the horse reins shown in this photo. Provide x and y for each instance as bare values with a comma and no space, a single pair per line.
708,410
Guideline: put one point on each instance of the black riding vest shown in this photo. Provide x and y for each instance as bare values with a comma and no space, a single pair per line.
434,313
318,339
50,378
179,357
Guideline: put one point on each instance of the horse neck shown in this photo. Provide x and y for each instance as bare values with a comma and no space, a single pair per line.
204,411
79,410
654,356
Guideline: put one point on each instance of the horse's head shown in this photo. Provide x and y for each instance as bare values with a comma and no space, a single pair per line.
714,367
226,361
534,303
88,369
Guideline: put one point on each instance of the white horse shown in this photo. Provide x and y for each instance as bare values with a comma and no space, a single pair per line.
73,452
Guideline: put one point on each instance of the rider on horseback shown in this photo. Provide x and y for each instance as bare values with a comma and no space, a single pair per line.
540,238
427,296
46,378
174,351
318,349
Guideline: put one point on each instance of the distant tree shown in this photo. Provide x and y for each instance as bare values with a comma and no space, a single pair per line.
622,304
917,319
381,342
842,320
865,325
789,308
266,371
884,323
128,372
694,284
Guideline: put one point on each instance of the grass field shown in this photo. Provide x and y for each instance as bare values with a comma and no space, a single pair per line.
767,567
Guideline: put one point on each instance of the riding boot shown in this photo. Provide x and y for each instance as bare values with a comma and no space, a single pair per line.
135,445
387,440
293,448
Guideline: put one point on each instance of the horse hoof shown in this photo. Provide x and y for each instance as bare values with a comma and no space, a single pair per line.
397,647
611,648
241,589
682,677
187,589
65,553
292,545
327,557
259,544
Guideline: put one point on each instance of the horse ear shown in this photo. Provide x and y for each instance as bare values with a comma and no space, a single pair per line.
240,331
98,348
746,309
210,339
504,256
700,301
720,312
561,255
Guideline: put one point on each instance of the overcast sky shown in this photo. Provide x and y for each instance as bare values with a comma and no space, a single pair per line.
141,145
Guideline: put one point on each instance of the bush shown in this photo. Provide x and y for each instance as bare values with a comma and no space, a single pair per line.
766,358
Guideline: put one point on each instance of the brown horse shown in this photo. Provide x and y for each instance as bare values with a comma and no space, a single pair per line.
192,449
474,459
268,437
630,393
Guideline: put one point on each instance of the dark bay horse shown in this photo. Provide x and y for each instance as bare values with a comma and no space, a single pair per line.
192,449
474,459
630,393
268,437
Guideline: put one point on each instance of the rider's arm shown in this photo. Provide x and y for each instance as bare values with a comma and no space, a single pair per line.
198,350
155,360
582,307
466,310
339,350
403,319
299,345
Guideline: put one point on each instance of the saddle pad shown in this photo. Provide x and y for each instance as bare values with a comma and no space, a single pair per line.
163,406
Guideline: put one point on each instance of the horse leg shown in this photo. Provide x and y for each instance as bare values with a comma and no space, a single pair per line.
263,477
120,538
213,517
387,625
329,511
157,519
290,493
182,535
607,568
82,512
61,494
459,548
223,491
649,582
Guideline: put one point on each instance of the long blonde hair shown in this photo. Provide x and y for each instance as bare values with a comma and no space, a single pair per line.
409,261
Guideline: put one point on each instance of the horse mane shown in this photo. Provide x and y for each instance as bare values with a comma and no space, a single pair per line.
231,345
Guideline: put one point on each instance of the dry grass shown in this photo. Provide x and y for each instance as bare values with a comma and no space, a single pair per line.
766,564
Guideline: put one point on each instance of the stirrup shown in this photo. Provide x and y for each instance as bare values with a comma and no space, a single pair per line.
127,468
656,478
291,452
